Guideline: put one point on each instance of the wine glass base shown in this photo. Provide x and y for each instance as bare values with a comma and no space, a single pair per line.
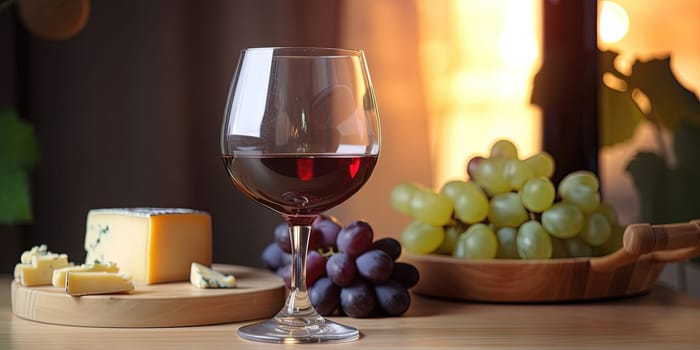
274,331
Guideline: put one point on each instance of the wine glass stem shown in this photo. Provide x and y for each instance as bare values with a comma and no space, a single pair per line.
298,303
300,244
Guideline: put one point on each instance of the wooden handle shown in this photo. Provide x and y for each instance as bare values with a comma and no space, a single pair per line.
667,243
640,239
684,252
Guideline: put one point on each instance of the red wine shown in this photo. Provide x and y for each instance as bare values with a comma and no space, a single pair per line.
299,184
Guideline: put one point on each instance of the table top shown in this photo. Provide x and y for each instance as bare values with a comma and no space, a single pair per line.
662,319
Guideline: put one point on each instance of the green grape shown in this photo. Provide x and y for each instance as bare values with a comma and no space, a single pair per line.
478,242
421,238
542,164
448,244
558,248
609,212
452,189
582,196
507,247
577,248
517,172
505,209
579,178
533,241
401,195
614,242
595,230
432,208
563,220
538,194
490,176
472,205
504,149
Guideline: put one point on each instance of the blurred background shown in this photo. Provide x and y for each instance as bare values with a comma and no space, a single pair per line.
119,104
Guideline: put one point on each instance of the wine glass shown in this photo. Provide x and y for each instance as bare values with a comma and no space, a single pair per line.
300,135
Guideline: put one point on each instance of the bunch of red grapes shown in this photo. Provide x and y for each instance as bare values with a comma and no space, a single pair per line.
347,272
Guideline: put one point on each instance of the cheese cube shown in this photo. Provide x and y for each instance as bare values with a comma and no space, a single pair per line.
87,283
154,245
59,276
26,257
40,270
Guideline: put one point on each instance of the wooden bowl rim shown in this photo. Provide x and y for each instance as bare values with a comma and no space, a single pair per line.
435,258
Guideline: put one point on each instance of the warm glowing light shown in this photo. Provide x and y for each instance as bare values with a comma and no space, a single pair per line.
478,69
613,22
517,47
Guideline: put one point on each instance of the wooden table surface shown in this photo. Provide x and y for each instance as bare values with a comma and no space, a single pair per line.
662,319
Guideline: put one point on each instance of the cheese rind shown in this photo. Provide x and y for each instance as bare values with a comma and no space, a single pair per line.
154,245
204,277
59,275
88,283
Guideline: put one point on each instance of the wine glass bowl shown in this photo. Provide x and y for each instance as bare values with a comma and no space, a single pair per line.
300,135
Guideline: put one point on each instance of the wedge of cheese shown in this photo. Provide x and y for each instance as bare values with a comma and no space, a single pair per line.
37,265
154,245
204,277
59,276
88,283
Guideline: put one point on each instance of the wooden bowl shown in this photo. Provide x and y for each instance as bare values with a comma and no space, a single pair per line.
632,270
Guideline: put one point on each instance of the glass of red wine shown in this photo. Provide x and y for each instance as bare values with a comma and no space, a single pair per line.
300,136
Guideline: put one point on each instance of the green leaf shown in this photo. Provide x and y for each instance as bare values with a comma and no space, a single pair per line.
19,153
15,196
651,177
686,175
686,146
19,148
670,195
670,101
619,116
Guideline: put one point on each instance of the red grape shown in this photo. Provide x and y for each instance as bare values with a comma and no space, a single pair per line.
355,238
315,267
389,245
341,269
282,238
272,256
358,299
326,228
375,265
472,165
392,297
406,274
325,296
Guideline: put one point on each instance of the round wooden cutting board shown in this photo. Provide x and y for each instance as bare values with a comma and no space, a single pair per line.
259,294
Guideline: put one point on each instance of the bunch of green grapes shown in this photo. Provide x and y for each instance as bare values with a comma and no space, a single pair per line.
509,208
